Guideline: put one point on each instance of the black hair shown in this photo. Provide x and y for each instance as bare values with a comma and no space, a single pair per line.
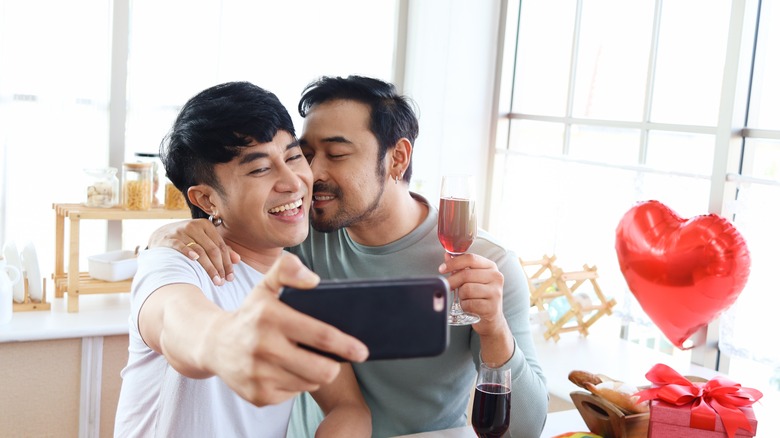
392,116
213,126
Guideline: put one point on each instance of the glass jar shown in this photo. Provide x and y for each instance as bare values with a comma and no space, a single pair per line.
137,185
102,187
158,174
174,199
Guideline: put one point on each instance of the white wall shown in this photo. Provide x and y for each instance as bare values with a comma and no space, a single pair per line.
450,59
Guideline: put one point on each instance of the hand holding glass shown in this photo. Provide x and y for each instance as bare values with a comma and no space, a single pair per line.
458,229
492,401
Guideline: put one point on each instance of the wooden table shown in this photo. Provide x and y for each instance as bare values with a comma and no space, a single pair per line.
557,423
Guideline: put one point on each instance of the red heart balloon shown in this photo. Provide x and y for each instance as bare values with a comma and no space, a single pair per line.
683,272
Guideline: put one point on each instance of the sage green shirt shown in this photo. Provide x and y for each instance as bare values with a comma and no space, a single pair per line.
415,395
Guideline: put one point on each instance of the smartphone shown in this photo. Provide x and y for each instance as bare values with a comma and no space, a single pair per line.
396,318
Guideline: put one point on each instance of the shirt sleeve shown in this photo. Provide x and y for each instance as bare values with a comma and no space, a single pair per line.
158,267
529,386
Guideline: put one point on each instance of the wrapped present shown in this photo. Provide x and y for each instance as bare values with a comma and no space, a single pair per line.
716,408
671,421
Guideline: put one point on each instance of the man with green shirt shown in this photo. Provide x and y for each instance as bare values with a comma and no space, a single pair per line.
358,136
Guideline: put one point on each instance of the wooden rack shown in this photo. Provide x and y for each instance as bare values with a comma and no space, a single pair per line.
28,304
549,282
75,282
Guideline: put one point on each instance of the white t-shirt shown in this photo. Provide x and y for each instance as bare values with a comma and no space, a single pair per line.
155,400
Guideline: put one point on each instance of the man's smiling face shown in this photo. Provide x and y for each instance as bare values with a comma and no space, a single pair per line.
266,193
348,176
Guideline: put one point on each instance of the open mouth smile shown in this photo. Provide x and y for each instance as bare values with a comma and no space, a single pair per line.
290,209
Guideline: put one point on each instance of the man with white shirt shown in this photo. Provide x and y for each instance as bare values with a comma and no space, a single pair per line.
227,361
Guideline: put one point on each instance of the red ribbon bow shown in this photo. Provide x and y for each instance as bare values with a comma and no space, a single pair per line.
717,397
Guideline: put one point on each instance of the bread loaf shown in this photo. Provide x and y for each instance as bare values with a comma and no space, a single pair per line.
579,378
619,394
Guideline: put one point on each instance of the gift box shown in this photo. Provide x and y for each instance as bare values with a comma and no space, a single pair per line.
670,421
714,408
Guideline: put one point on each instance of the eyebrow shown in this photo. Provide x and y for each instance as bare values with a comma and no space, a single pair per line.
335,139
258,155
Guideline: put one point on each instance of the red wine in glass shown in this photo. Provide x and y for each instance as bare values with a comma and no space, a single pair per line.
490,413
457,224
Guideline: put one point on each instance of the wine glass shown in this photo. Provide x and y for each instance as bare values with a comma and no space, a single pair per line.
492,401
458,229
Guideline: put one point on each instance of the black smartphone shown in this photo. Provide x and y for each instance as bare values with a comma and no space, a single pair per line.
395,318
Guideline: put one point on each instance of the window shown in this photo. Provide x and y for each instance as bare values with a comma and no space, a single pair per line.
272,44
607,103
56,79
54,95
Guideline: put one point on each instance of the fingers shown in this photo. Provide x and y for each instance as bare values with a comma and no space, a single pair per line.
290,368
287,270
314,333
257,351
471,268
304,366
300,371
467,260
303,329
211,249
203,243
480,287
271,384
483,307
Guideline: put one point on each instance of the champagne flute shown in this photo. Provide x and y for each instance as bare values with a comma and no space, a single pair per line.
458,229
492,401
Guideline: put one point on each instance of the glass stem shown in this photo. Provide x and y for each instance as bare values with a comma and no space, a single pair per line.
456,309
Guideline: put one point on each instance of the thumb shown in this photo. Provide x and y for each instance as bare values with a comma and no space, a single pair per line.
287,270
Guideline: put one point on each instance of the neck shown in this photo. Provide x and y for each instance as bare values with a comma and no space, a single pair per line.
259,259
399,214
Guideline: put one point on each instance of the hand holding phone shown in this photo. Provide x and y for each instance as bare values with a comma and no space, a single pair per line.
395,318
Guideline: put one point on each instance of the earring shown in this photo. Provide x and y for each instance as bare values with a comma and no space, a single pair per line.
396,180
215,220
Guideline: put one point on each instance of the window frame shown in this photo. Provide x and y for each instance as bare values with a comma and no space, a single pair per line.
731,131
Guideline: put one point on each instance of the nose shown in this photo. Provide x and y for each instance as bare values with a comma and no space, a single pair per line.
318,169
289,180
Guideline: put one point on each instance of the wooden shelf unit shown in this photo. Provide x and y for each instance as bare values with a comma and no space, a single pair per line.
74,281
549,282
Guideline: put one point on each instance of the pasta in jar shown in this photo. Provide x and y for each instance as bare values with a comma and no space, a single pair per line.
137,180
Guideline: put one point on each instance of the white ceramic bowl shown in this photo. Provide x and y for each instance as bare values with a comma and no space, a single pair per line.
113,265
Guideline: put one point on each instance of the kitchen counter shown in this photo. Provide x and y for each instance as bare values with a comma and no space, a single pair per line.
98,315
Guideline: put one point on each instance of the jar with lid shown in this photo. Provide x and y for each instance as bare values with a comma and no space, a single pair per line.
102,187
158,174
137,184
174,199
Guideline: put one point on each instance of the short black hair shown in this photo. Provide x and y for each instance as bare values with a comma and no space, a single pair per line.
392,115
213,126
